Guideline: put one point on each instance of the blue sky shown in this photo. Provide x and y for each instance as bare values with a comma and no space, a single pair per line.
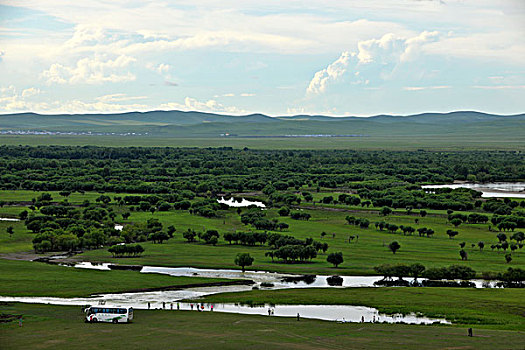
334,57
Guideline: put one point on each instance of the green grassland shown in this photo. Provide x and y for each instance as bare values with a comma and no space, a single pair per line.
371,249
486,308
20,240
26,196
26,278
392,142
61,327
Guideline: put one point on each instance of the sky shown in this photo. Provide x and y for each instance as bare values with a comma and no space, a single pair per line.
331,57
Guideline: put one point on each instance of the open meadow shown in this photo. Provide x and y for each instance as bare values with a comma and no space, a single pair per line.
61,327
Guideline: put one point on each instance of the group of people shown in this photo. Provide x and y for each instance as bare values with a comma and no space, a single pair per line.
199,307
373,319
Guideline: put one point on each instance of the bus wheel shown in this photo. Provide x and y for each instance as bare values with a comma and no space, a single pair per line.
94,320
115,321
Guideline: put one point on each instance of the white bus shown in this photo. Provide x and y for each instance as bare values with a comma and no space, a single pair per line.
104,313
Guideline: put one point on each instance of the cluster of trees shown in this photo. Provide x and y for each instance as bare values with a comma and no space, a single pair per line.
129,250
63,227
407,230
208,236
293,253
361,222
414,197
246,238
348,199
453,272
512,278
290,249
434,276
299,215
505,243
501,207
508,222
284,198
388,271
257,218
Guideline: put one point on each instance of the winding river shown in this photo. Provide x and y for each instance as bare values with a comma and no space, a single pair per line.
262,280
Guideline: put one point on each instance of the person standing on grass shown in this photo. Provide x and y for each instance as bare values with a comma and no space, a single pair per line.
149,305
20,320
178,306
298,316
211,307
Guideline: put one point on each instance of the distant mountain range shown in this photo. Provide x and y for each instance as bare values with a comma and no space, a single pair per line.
197,124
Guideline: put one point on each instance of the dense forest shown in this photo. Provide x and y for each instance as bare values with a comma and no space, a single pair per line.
187,179
168,170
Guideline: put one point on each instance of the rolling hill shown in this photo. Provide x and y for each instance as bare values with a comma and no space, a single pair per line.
197,124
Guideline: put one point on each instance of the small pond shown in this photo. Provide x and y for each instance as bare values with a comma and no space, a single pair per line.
489,190
243,203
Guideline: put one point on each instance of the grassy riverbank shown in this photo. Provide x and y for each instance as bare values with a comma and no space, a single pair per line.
61,327
25,278
371,249
485,308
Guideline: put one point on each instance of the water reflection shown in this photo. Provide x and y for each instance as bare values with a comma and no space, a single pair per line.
489,190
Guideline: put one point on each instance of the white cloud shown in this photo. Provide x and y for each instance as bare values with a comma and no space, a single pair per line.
95,70
119,98
391,48
246,94
11,101
78,106
384,54
191,104
499,87
419,88
159,68
30,92
332,73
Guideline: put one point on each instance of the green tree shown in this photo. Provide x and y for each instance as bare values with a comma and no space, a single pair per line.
243,260
335,258
394,246
481,245
385,211
451,234
456,222
416,270
284,211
